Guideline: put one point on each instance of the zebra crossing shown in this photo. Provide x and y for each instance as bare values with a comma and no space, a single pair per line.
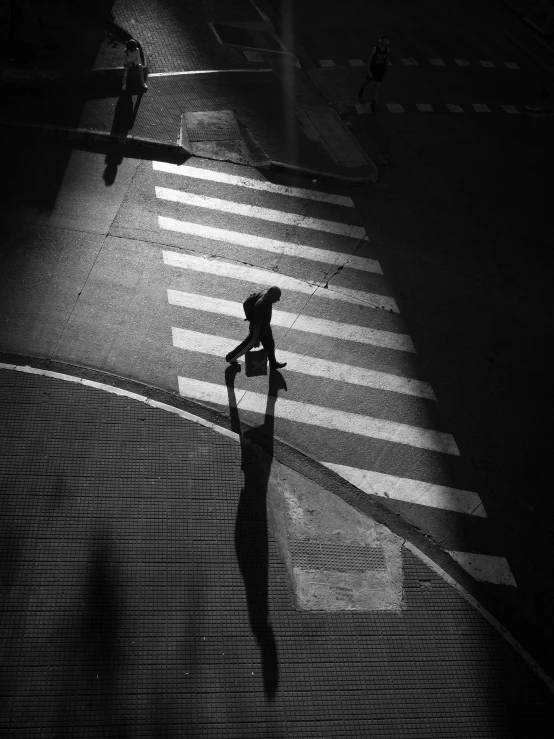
425,61
354,399
448,108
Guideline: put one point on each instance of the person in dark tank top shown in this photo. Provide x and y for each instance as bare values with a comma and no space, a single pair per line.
376,69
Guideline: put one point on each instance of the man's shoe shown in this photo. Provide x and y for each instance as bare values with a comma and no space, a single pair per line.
278,365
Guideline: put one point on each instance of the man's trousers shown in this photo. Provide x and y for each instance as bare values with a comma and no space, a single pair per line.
267,342
126,72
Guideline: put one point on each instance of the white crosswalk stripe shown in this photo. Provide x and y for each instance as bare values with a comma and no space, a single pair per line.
210,175
411,491
307,324
409,446
218,346
266,214
327,418
264,277
250,241
486,567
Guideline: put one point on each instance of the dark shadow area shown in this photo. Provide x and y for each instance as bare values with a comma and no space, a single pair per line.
53,32
125,113
124,118
92,658
101,618
35,170
56,36
131,152
251,527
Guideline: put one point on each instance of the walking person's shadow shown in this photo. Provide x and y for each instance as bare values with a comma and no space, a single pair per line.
251,534
123,121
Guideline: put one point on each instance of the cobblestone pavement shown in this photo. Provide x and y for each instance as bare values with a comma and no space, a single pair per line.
144,594
176,35
178,41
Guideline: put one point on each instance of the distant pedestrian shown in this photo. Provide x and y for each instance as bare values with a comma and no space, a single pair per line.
258,309
132,58
376,70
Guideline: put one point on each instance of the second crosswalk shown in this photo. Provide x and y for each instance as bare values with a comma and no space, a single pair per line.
354,398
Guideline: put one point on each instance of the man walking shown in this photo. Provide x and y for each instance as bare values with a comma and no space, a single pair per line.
376,69
260,328
132,58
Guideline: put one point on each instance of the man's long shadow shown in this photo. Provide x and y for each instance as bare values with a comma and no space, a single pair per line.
123,121
251,533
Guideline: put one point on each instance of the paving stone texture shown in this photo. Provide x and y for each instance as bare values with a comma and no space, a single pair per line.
176,35
143,594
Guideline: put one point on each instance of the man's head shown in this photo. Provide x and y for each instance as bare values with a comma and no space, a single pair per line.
131,45
384,40
273,294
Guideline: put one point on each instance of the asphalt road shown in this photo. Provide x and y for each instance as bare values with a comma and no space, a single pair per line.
461,220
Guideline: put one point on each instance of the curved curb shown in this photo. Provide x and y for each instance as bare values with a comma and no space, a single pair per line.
176,150
321,175
90,134
218,428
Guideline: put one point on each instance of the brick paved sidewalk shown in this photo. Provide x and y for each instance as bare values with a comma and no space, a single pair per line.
256,97
150,588
178,40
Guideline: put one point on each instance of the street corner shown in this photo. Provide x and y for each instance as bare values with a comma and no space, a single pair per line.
220,135
337,558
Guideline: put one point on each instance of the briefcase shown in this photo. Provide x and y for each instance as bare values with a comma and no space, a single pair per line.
256,363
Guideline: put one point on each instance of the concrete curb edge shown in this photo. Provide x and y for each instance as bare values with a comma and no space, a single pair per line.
89,134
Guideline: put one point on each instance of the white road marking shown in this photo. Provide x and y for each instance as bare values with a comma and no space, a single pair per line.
199,173
273,245
219,346
206,71
327,418
481,108
437,62
410,62
486,567
453,108
511,65
411,491
237,271
395,107
326,63
424,107
266,214
462,62
509,108
307,324
356,62
486,64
